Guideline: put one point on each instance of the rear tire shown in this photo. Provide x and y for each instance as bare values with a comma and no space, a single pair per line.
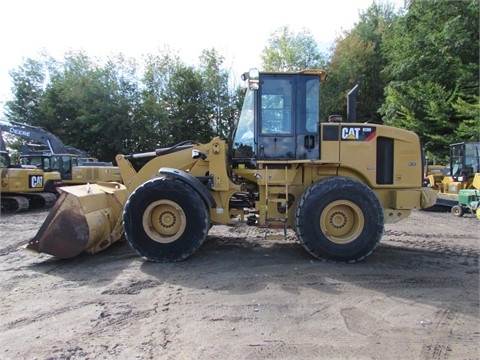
166,220
339,219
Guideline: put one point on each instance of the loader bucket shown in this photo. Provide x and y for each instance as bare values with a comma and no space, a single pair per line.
84,218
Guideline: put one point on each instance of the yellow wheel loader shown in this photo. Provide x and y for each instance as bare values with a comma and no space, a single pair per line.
335,183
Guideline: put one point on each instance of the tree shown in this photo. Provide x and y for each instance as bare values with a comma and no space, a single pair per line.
357,58
152,118
433,71
287,51
105,108
186,104
29,81
223,100
469,113
88,106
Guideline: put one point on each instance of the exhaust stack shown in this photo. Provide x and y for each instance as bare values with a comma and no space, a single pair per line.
352,105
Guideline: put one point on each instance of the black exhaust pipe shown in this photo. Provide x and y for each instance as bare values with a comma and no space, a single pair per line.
352,105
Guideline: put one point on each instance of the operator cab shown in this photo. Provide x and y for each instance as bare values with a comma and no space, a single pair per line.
51,162
464,160
279,118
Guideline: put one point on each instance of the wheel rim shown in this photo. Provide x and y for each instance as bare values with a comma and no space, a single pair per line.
456,210
342,221
164,221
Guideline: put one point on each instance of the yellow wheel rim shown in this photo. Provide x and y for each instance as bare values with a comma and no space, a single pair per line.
342,221
164,221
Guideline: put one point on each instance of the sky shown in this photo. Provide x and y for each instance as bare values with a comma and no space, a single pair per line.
134,28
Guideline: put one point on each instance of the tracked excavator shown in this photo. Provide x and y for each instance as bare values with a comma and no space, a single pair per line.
334,183
75,165
23,188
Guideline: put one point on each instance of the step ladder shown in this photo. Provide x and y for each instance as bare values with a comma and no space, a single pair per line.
272,198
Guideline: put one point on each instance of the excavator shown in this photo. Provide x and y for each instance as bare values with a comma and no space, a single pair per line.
75,166
26,187
334,183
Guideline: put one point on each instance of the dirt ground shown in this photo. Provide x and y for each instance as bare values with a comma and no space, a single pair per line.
243,297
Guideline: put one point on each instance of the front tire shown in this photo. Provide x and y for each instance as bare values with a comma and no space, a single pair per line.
165,220
457,211
339,219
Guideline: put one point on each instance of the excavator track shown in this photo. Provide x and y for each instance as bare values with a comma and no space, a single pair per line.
42,199
15,203
23,202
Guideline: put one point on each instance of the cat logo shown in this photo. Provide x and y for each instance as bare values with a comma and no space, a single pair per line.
358,133
36,181
350,133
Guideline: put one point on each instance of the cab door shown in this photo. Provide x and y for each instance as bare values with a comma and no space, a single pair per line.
276,125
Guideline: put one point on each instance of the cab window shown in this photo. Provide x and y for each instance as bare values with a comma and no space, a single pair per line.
276,106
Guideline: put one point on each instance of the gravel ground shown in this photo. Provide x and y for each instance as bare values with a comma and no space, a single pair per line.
243,297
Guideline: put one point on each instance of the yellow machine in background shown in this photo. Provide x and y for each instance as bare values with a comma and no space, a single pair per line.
23,188
464,165
334,183
75,166
73,173
433,174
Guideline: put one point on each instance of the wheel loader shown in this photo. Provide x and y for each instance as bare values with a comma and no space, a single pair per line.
334,183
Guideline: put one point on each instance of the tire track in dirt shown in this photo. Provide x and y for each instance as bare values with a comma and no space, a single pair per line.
119,316
241,296
449,245
27,320
440,348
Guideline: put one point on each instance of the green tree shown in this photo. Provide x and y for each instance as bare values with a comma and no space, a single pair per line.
86,105
433,71
152,118
186,104
106,108
287,51
357,58
95,105
29,80
469,112
222,99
